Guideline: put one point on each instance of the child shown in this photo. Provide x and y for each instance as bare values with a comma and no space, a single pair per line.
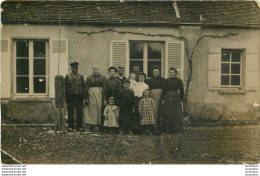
111,114
147,111
132,81
126,105
138,93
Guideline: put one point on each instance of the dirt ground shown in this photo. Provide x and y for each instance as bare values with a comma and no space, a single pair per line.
196,145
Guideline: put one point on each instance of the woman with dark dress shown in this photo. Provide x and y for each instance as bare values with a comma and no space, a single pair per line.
112,86
172,96
156,86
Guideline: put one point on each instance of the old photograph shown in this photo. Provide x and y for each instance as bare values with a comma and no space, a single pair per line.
130,82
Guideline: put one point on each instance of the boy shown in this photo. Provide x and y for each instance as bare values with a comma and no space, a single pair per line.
126,105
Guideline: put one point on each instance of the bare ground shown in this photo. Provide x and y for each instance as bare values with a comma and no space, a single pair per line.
196,145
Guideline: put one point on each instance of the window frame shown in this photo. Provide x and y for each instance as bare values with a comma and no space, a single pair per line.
242,70
145,56
31,93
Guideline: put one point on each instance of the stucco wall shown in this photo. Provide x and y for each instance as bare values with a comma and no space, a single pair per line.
212,104
94,49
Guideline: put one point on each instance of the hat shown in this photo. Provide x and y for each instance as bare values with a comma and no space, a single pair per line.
74,63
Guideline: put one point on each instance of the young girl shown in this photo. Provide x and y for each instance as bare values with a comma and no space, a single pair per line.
147,111
111,114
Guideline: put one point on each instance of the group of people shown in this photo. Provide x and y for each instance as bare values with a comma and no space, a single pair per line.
120,105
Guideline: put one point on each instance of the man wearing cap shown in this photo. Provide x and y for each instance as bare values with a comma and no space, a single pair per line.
121,76
74,96
93,98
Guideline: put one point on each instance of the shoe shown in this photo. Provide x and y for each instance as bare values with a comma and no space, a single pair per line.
70,130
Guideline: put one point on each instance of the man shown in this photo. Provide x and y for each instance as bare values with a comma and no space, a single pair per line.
136,70
93,92
121,76
74,96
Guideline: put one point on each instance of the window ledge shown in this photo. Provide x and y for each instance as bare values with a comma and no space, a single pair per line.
45,99
230,91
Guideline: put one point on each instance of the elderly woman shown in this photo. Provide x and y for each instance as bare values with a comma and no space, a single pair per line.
112,86
93,98
156,86
172,96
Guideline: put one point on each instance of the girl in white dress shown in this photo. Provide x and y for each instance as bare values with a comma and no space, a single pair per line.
111,114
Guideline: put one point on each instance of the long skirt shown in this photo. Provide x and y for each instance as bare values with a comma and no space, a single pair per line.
172,112
93,110
156,96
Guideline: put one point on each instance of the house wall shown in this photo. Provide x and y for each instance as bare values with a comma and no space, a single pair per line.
94,49
210,104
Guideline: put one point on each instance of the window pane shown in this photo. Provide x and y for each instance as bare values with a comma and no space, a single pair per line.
22,84
138,63
39,66
154,50
22,66
22,48
235,80
225,68
39,48
224,80
136,50
235,68
39,84
235,56
152,64
225,56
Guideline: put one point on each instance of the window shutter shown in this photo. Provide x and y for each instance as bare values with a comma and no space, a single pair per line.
6,67
119,54
214,69
174,57
252,75
57,47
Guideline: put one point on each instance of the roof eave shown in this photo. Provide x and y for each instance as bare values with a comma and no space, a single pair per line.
82,22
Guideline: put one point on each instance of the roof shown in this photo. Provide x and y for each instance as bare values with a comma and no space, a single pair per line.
144,12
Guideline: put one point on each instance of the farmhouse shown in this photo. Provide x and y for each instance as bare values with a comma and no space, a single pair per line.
214,46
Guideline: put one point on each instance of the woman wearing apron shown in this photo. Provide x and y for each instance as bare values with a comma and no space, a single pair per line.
93,100
156,86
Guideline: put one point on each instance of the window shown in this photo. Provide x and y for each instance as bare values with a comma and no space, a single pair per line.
231,68
146,55
31,67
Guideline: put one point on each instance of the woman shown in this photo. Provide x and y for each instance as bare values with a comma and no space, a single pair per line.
93,99
156,86
112,86
172,96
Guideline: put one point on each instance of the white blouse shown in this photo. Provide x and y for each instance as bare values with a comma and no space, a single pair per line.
139,89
